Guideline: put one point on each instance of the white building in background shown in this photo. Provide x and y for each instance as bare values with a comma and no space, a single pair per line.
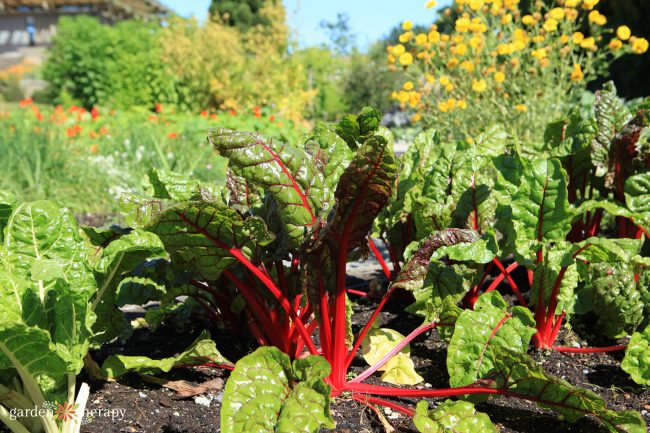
27,25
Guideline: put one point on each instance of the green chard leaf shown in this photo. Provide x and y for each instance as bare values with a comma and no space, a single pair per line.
286,172
268,393
202,351
202,237
637,357
611,116
452,417
519,376
637,197
118,258
7,203
480,332
539,210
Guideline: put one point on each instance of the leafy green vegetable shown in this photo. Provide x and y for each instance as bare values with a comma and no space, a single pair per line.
202,351
268,393
479,332
452,417
637,357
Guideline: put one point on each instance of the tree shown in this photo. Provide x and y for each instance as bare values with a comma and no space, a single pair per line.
341,37
243,14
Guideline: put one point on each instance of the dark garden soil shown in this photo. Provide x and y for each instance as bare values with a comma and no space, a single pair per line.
150,408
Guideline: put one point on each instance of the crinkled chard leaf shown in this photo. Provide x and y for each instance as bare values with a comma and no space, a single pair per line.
202,351
7,203
286,172
637,357
637,197
611,115
416,268
119,257
268,393
452,417
520,376
539,210
472,350
203,236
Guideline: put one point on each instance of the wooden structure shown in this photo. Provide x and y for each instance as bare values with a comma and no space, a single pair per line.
25,23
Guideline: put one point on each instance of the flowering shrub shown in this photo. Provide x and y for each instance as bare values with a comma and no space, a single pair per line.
500,64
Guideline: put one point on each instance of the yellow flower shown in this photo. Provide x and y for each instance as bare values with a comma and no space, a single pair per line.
588,43
514,62
461,49
408,86
538,39
434,37
571,3
467,65
577,74
430,78
462,25
506,19
421,39
444,80
615,44
550,25
476,42
451,103
430,4
564,39
452,63
539,54
462,104
407,25
578,37
405,37
444,38
449,87
623,33
416,118
589,4
443,107
398,50
479,86
528,20
571,14
597,18
475,4
556,14
499,77
521,107
406,59
639,45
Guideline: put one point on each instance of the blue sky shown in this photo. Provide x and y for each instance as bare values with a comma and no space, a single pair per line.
369,19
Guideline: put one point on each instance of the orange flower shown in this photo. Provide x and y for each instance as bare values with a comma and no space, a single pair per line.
93,134
94,148
103,130
213,116
257,111
25,102
271,118
94,113
159,107
233,112
204,113
172,135
37,113
153,118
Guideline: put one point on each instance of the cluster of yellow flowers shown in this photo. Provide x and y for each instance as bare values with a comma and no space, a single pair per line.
498,61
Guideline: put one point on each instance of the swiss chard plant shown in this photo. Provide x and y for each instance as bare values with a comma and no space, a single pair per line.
581,247
270,250
57,291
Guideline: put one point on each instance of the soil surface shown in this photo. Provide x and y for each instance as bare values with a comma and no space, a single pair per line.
150,408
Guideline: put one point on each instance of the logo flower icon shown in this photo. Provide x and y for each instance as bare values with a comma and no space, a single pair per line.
65,412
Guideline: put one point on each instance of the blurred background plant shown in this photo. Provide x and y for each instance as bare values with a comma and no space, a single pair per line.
496,61
87,159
